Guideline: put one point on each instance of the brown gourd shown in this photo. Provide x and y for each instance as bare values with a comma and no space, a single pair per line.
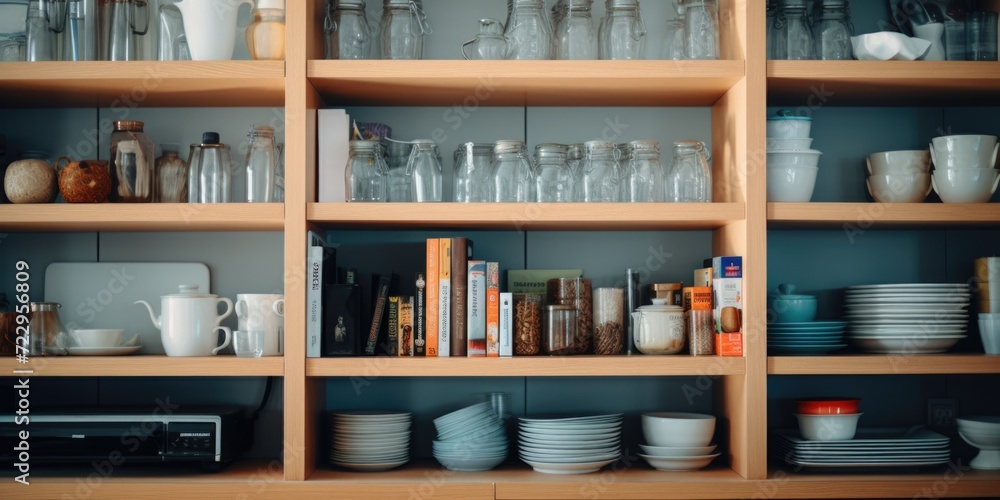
86,181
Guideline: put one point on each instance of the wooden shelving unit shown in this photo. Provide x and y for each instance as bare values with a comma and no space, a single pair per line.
884,364
955,480
149,365
143,217
882,215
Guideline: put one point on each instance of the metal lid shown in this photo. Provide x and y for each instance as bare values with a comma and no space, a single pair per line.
795,4
210,138
618,4
363,145
574,151
401,3
350,4
476,148
508,146
550,150
645,145
696,145
424,143
129,125
592,145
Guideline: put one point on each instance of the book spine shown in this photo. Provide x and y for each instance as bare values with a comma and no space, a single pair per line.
314,317
492,309
392,343
405,335
420,317
444,297
378,313
431,298
506,325
460,248
477,309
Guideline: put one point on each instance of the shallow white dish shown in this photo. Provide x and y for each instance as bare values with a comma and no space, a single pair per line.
568,468
374,467
905,345
557,452
556,435
104,351
679,463
470,464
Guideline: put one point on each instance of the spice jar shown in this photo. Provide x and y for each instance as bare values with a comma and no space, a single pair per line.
560,329
527,323
171,176
266,33
132,158
575,292
609,315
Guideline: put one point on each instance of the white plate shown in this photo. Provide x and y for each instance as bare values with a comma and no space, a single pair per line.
103,351
860,301
562,468
570,445
568,459
574,436
902,331
569,452
805,463
574,420
906,345
377,467
943,318
919,286
372,416
679,463
868,436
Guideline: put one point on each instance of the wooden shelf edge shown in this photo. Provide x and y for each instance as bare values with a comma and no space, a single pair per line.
527,366
143,217
884,364
952,481
862,216
149,365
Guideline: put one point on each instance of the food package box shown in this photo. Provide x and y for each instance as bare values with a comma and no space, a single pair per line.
727,305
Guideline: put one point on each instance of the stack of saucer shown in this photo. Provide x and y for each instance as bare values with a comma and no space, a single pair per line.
471,439
370,440
570,445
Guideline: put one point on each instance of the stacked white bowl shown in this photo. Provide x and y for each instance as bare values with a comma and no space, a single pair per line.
471,439
678,441
899,176
574,445
983,433
965,168
370,440
791,164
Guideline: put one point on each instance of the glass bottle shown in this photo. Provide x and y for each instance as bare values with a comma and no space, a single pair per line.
76,37
403,28
472,172
574,156
600,175
131,163
261,165
574,34
701,21
528,33
348,33
644,173
622,32
690,179
366,173
512,174
553,177
424,171
210,171
41,41
833,30
171,176
674,40
266,33
777,45
799,43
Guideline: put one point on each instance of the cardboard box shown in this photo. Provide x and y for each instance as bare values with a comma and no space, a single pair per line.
697,298
727,305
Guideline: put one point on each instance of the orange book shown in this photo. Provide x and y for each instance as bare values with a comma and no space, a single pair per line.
431,296
492,309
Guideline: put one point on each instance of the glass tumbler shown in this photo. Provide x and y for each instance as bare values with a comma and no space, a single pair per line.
981,36
261,165
403,28
622,32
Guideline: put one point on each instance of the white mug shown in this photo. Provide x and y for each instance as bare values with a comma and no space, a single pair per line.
264,312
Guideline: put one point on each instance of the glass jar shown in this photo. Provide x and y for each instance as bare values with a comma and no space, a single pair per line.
777,46
644,173
261,165
701,21
41,41
171,176
799,42
131,167
472,172
609,321
397,155
560,329
690,179
833,30
674,44
489,44
511,172
575,292
266,33
622,32
600,175
210,171
553,178
528,33
348,34
403,28
574,34
366,172
46,333
424,171
574,156
527,323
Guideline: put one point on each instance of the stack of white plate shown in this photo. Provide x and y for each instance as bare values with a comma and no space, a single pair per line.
907,318
575,445
871,447
471,439
370,440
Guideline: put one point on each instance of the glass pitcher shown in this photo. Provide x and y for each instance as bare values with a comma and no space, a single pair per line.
512,173
574,34
600,174
833,30
424,171
689,179
261,165
403,28
366,173
489,44
644,175
348,33
528,32
622,32
123,24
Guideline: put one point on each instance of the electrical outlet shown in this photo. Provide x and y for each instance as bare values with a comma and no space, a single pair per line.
941,414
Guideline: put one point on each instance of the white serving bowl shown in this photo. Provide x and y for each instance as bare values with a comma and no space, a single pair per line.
677,451
787,125
899,162
899,188
804,158
678,429
965,185
989,449
678,463
788,143
964,151
831,427
980,424
791,184
104,337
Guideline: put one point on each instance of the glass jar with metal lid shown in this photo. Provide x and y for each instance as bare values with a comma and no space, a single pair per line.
133,178
833,30
210,171
403,28
366,172
472,172
512,173
348,34
553,177
424,171
600,174
622,32
644,173
573,30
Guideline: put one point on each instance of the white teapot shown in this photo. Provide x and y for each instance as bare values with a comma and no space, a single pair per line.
659,328
189,320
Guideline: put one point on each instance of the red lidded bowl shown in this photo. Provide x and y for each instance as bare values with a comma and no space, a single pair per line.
828,406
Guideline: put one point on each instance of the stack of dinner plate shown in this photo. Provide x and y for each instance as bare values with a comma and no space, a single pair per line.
574,445
907,318
370,440
471,439
871,448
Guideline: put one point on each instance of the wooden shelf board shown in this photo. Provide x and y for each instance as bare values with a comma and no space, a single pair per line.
524,83
884,364
145,365
517,216
862,216
883,83
143,217
403,482
945,482
129,84
527,366
629,479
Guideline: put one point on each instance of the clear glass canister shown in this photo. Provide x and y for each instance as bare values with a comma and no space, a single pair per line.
777,46
171,176
348,34
799,42
132,159
472,172
527,323
644,174
424,171
575,292
600,175
489,44
609,320
261,165
46,333
266,33
574,34
210,171
622,32
833,30
366,172
403,28
690,178
528,32
554,178
674,43
701,22
397,155
512,173
560,329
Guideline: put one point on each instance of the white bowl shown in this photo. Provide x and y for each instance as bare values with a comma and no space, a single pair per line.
470,464
104,337
832,427
677,451
989,449
678,429
791,184
980,424
964,151
804,158
899,162
899,188
965,185
788,143
678,463
787,125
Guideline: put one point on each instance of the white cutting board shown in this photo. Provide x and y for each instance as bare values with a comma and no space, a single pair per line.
101,294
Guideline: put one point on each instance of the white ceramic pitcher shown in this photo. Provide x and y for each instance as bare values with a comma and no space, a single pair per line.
189,321
210,27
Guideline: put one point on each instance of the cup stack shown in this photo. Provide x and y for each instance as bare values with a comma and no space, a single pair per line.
965,168
899,176
791,164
